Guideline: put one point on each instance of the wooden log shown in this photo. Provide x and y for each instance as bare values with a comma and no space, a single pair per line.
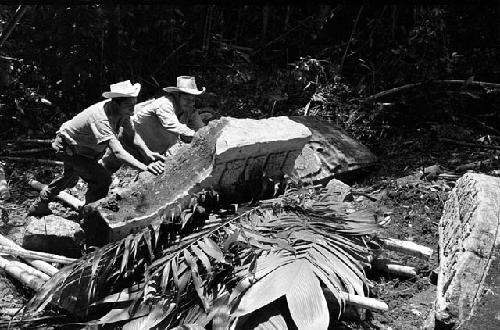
406,247
14,270
38,264
36,255
26,267
32,160
358,301
389,266
63,196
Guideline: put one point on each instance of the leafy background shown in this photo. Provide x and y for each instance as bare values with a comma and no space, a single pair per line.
256,61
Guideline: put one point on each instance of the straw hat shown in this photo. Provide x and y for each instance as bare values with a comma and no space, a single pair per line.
185,84
122,89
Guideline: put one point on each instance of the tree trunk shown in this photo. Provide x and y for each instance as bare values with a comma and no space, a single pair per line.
265,22
4,187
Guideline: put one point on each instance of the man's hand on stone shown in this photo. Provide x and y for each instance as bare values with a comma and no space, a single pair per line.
156,168
154,156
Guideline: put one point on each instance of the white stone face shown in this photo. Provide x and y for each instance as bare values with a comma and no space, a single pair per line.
468,235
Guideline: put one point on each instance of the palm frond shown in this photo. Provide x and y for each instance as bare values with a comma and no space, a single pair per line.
293,247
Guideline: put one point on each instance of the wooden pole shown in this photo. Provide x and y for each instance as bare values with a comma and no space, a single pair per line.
14,270
358,301
389,266
406,247
38,264
63,196
36,255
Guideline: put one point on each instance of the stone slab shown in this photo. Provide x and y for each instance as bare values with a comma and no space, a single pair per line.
54,234
329,152
229,155
469,240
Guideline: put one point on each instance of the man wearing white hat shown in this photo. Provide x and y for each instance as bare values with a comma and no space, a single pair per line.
82,140
161,122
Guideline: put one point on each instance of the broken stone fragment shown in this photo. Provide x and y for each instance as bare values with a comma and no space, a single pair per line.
468,288
54,234
241,159
330,152
338,191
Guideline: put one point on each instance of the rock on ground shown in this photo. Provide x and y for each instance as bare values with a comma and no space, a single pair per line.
54,234
468,290
329,152
338,191
229,155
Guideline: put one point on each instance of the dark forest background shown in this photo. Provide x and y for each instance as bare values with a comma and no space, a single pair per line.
255,60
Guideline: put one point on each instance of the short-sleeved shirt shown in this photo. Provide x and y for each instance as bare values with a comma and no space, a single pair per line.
88,131
158,123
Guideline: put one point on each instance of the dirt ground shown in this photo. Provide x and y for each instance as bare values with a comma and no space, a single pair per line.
409,199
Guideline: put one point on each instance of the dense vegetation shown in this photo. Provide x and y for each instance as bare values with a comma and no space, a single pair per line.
257,60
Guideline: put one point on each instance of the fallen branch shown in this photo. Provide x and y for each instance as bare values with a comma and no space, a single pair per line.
36,255
62,196
358,301
470,145
389,266
406,247
31,160
30,151
14,270
460,83
38,264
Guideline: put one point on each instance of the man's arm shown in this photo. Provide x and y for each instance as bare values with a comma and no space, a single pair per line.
171,123
120,153
137,140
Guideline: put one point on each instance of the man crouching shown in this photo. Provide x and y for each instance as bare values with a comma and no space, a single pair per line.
82,140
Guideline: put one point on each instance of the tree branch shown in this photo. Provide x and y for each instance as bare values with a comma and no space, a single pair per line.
458,83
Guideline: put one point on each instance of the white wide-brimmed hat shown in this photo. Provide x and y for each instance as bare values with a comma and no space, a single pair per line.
122,89
185,84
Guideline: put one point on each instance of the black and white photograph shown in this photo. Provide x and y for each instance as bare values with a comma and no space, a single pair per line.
239,166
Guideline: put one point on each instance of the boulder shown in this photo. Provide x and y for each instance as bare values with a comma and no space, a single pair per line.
468,288
54,234
329,152
231,156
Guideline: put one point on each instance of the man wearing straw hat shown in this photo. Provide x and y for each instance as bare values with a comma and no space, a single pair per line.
82,140
161,122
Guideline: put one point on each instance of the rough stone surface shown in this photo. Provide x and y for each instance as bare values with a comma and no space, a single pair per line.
338,191
229,155
53,234
329,152
469,240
